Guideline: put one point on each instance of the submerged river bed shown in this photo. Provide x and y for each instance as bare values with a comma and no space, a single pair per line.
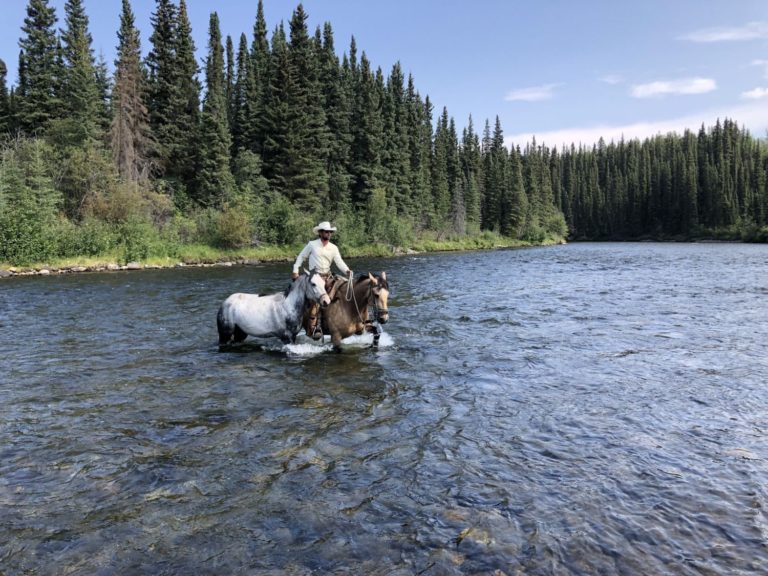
580,409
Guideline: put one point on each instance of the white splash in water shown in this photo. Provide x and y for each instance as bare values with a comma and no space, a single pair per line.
305,346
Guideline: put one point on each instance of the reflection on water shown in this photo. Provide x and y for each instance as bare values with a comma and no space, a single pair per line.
568,410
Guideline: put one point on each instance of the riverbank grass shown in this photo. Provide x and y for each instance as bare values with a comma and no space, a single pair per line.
203,254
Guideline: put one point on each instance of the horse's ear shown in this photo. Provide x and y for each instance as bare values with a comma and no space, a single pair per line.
383,275
371,278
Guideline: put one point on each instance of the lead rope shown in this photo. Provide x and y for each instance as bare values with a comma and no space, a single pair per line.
350,295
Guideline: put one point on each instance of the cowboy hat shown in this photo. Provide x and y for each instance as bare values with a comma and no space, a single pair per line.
324,226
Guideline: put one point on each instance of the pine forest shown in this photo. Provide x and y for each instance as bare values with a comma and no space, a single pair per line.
158,156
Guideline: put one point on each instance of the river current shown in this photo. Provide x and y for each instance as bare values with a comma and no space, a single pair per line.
579,409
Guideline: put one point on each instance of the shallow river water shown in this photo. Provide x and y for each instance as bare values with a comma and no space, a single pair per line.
580,409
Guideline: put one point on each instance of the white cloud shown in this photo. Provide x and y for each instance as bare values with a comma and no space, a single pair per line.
532,94
682,86
612,79
751,31
753,116
755,94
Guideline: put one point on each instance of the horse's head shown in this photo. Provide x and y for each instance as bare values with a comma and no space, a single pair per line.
316,289
380,292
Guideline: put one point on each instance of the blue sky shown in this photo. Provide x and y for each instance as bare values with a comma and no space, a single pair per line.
560,70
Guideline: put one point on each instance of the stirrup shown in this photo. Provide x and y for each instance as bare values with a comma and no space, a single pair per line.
316,332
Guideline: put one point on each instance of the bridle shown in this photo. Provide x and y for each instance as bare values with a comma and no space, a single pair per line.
378,312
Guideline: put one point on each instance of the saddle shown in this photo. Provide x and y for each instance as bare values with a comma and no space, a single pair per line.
316,329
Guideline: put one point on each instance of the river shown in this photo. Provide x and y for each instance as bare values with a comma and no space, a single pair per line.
579,409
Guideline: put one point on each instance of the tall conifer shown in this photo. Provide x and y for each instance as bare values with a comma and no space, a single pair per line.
130,134
5,105
215,181
164,86
183,160
80,90
39,72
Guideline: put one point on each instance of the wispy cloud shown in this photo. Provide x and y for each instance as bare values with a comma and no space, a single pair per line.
750,31
763,64
682,86
532,94
753,115
611,79
755,94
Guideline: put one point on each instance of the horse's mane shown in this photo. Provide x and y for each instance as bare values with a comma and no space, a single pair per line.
291,284
382,281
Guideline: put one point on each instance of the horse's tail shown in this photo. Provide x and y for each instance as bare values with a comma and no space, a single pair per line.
225,326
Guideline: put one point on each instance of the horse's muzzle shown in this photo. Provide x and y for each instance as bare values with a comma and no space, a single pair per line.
325,300
382,316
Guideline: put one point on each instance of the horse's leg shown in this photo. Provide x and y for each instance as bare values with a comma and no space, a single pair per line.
313,328
376,334
239,335
336,340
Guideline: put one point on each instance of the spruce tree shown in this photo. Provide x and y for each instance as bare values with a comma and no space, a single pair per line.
239,113
395,159
338,117
309,181
254,134
441,177
367,130
130,133
215,181
104,92
471,167
183,158
163,84
230,80
5,105
80,92
39,72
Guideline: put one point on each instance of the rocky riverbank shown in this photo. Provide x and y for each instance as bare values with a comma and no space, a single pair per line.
111,267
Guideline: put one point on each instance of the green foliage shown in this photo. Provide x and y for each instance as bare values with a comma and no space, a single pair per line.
139,240
91,237
234,227
754,233
280,222
29,203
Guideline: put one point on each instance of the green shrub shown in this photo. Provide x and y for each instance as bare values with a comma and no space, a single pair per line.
234,227
140,240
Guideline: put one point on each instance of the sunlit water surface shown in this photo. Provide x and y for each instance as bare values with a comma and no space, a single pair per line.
582,409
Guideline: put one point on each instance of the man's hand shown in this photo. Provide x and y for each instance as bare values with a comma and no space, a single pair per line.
294,275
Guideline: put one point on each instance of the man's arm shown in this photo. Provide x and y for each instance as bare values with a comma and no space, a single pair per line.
303,255
340,264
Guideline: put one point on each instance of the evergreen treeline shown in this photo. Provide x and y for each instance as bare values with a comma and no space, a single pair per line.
276,131
708,184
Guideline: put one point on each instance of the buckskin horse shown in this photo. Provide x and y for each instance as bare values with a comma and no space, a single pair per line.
347,313
275,315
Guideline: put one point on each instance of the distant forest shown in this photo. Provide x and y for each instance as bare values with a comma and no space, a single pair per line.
277,131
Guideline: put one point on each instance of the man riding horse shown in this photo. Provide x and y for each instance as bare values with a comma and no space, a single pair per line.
321,253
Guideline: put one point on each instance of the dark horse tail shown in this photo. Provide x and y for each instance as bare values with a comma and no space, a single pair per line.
226,330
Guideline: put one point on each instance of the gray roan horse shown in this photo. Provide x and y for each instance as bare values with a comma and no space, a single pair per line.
275,315
347,313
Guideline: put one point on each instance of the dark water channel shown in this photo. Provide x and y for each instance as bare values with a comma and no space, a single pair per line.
583,409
